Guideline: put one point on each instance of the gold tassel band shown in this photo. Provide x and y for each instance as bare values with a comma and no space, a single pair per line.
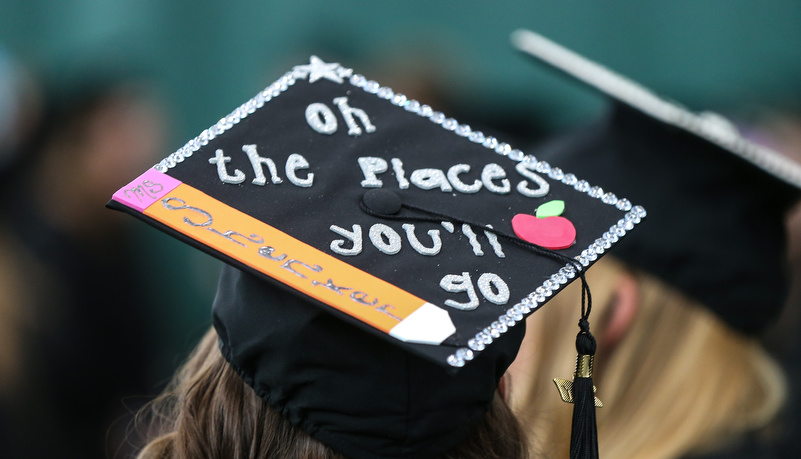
583,370
584,365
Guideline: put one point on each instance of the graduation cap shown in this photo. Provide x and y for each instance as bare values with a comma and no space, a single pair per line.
382,257
717,201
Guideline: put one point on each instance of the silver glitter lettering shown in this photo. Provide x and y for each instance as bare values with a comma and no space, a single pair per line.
166,203
448,226
153,186
354,236
384,310
321,118
392,245
289,263
146,189
418,246
455,283
331,286
370,167
523,169
361,297
295,162
267,252
255,238
220,160
471,236
453,177
348,113
428,179
493,240
256,161
492,172
400,174
485,285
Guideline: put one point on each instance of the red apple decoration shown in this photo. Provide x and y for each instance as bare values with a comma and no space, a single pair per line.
547,229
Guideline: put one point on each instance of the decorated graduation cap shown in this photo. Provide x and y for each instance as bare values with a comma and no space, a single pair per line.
717,202
381,256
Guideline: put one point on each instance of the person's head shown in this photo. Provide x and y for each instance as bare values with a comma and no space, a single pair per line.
209,411
673,377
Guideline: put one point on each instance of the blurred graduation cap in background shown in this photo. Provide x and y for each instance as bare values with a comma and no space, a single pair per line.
375,248
717,202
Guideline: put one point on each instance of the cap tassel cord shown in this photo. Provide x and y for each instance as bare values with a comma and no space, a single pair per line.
437,217
584,435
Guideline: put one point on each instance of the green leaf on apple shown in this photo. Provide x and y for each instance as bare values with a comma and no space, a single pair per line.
551,209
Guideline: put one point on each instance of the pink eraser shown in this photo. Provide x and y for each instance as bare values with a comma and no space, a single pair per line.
145,190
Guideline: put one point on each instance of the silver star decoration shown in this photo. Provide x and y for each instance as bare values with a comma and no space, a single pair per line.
316,69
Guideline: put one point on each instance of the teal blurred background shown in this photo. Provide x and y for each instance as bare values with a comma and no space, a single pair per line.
209,55
206,57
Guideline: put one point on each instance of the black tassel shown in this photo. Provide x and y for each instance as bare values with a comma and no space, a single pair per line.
584,436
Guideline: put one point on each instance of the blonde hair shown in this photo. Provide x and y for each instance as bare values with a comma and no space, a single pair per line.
678,381
209,411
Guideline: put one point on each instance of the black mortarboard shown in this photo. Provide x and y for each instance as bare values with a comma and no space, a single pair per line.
717,202
376,246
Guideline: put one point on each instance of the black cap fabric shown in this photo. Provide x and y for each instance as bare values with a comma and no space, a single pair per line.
359,394
717,202
383,256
